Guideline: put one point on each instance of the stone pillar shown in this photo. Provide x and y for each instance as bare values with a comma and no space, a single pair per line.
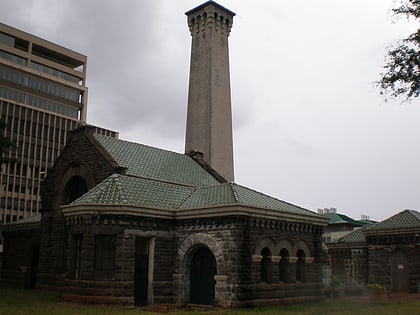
292,268
222,297
209,116
179,288
275,268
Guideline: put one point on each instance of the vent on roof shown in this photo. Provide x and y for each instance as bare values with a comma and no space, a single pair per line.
327,210
365,217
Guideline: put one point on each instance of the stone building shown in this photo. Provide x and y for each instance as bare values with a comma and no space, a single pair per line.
387,253
127,223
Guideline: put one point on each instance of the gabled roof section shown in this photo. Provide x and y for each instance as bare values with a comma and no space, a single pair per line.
357,236
336,218
407,219
149,162
122,190
135,191
231,193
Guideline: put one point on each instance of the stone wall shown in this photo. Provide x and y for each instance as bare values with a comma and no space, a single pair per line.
381,250
232,240
20,258
349,264
79,158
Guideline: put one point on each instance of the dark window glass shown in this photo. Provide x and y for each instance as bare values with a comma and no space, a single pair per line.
77,247
300,266
104,267
75,188
266,265
284,265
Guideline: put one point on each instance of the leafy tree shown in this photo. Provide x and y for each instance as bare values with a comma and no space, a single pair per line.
402,69
5,145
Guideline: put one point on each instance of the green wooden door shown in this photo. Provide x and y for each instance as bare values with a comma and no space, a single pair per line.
141,271
203,270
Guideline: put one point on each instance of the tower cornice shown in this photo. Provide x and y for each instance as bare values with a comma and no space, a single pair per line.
210,15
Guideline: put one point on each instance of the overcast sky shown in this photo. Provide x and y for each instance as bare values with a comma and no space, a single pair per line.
310,127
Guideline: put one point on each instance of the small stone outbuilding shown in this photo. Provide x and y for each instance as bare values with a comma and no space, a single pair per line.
386,253
127,223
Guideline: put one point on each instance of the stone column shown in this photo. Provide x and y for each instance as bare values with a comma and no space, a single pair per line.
222,296
275,268
292,268
179,288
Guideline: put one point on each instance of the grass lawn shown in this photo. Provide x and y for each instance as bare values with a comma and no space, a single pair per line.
23,302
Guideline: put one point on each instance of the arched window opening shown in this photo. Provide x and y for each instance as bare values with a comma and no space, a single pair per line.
75,188
300,266
284,265
266,265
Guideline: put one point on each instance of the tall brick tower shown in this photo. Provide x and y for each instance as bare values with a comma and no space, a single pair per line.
209,115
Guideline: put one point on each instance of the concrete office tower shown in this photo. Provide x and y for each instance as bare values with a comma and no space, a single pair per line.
42,96
209,116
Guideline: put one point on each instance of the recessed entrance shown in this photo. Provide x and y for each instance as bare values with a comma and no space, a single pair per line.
202,283
141,271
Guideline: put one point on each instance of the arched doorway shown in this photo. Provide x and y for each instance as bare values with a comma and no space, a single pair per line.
399,271
202,283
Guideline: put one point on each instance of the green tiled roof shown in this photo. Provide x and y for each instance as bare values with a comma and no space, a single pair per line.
149,162
402,220
357,236
336,218
30,222
231,193
31,219
128,190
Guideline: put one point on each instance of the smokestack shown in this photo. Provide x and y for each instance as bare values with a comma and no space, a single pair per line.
209,114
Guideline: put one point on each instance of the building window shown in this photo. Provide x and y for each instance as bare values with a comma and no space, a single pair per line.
77,247
75,188
104,267
300,266
266,265
284,265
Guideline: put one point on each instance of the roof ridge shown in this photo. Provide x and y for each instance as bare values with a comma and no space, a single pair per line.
155,163
160,180
234,192
277,199
136,143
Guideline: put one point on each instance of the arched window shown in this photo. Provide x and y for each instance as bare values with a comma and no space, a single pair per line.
284,265
300,266
266,265
75,188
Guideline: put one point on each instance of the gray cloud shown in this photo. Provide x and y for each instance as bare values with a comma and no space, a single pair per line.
309,126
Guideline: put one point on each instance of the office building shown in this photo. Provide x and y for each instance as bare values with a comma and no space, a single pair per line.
43,95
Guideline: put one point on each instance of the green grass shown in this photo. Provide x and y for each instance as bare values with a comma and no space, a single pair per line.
35,302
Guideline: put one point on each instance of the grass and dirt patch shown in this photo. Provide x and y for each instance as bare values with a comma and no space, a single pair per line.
36,302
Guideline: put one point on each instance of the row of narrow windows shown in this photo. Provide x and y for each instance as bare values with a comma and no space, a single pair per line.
38,138
43,86
23,45
104,257
39,102
266,267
